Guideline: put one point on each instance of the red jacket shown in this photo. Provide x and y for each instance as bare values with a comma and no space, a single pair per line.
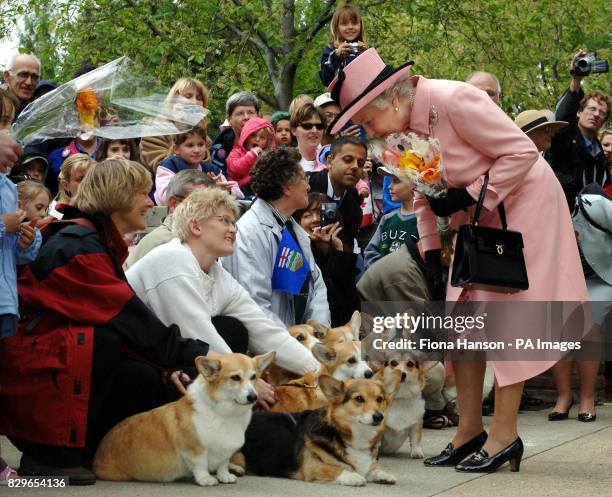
74,287
240,161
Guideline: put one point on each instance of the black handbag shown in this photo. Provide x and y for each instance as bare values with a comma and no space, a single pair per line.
489,259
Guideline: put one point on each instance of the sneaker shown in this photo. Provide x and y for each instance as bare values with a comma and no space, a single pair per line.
76,475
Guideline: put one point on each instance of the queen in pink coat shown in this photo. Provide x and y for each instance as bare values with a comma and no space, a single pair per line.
476,137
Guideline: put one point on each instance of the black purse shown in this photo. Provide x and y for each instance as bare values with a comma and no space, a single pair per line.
489,259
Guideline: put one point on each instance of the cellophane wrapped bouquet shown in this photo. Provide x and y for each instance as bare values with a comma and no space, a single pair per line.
413,157
115,101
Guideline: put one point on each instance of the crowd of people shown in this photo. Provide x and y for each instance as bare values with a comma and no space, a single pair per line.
97,325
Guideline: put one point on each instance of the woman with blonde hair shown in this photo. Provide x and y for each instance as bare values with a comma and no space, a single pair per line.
71,174
183,283
154,149
87,348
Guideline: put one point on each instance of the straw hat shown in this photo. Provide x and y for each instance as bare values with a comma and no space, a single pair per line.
531,120
360,82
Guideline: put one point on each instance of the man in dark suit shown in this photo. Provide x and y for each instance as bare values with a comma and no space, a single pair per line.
345,164
576,154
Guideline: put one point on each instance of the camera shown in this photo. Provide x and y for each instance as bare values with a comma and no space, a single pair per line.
329,213
354,47
588,64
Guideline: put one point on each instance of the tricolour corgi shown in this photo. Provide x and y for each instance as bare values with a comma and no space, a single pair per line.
405,415
338,443
341,361
196,435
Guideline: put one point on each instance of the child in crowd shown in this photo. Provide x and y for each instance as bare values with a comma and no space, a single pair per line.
125,149
347,41
19,244
282,128
34,199
190,150
8,106
257,135
396,227
71,174
32,164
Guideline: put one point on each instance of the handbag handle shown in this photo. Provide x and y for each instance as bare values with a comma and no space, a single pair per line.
479,204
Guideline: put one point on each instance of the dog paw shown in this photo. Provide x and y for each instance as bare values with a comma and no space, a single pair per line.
206,480
417,453
237,469
226,477
351,479
380,476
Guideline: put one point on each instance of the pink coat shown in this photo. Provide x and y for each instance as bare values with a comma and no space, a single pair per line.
476,136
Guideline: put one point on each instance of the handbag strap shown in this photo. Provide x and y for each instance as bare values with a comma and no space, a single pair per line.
480,203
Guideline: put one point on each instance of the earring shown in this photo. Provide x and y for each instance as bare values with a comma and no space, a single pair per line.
396,109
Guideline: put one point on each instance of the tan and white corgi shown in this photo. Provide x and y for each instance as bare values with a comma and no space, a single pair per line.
342,361
338,443
344,333
196,435
405,415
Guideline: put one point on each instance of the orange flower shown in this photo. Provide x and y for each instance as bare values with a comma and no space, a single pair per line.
431,175
391,157
87,106
412,161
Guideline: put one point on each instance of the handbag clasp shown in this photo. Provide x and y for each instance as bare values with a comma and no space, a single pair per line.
500,249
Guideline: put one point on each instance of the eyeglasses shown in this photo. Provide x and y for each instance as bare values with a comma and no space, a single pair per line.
309,126
244,113
24,75
596,111
331,115
229,223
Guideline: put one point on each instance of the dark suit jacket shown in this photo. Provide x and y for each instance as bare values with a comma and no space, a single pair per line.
349,207
573,164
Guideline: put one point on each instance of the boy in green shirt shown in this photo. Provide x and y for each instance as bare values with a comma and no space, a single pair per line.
395,227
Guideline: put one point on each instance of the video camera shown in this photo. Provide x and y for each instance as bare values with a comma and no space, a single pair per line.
587,64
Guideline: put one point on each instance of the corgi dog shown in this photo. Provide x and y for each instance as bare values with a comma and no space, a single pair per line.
338,443
341,361
405,415
196,435
331,336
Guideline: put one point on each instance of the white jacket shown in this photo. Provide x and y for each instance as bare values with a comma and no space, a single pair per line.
252,264
171,283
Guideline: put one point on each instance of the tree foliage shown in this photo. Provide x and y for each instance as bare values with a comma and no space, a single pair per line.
273,47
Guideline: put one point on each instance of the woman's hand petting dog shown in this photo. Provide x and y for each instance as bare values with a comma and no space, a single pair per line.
266,397
180,379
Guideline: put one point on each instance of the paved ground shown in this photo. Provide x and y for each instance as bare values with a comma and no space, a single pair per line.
562,459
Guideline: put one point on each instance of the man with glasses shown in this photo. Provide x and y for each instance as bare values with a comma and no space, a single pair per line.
239,108
21,77
576,154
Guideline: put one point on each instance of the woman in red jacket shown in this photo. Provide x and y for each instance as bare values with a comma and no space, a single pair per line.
88,352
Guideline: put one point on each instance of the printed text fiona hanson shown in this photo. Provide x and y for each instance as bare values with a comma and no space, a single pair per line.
426,344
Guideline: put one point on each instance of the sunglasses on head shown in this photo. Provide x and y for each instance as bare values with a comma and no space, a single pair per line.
309,126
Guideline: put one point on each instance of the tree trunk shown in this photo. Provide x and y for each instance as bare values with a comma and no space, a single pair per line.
284,88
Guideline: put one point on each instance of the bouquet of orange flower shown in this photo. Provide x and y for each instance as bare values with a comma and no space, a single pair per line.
115,101
416,158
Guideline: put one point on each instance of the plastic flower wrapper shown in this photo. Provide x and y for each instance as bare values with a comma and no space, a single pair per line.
115,101
413,157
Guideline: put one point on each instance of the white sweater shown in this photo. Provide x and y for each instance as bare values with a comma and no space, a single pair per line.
171,283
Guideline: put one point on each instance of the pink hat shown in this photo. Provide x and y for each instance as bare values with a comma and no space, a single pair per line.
360,82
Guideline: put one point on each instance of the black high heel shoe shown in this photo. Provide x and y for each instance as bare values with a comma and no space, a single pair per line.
481,462
586,417
560,416
452,455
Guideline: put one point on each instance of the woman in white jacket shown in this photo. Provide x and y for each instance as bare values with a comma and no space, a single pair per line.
183,283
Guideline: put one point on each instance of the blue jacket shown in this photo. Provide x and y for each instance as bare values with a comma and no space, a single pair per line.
12,254
331,63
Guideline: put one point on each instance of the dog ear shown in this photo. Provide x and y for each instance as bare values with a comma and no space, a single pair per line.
264,360
391,381
208,368
332,389
355,324
319,329
367,325
324,354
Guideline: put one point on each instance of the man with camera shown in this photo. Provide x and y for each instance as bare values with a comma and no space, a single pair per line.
347,157
576,154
